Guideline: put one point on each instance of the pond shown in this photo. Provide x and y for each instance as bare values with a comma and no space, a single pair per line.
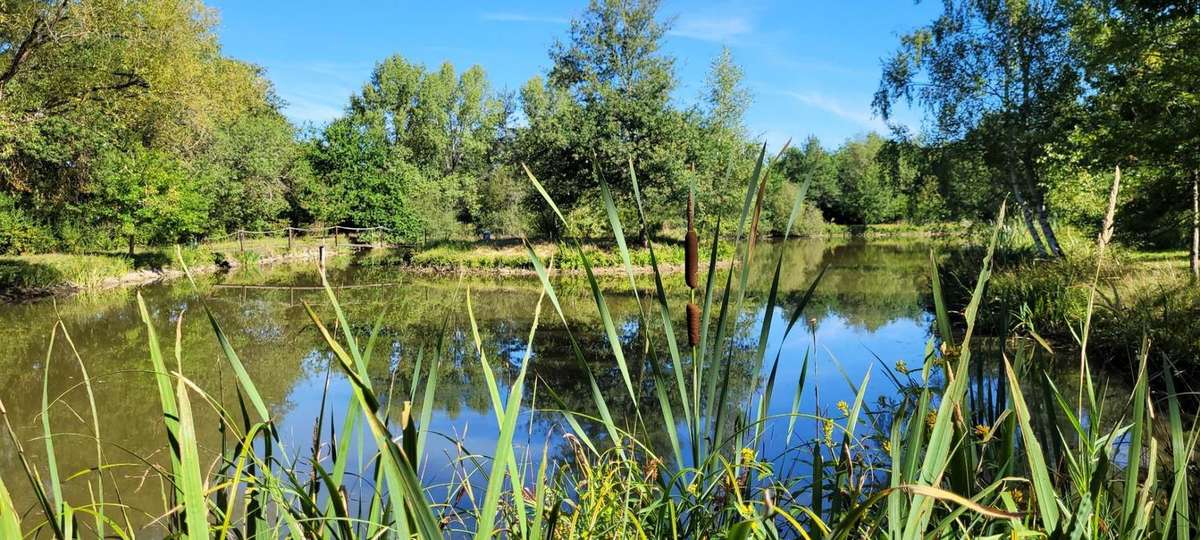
867,314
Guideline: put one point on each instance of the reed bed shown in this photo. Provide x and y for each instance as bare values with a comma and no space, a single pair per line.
962,454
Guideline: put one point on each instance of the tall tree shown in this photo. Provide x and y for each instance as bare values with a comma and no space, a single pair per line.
607,100
1140,59
1004,67
425,138
91,88
813,164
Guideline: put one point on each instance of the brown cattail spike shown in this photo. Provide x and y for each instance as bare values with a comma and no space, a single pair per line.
691,247
693,324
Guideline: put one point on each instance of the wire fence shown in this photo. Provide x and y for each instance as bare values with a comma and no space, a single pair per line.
335,238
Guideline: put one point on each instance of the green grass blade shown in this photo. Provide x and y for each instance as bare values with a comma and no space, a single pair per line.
427,403
10,522
166,391
597,395
95,417
405,493
795,412
941,438
1181,455
190,482
231,356
1136,434
664,310
1043,488
48,437
939,302
500,458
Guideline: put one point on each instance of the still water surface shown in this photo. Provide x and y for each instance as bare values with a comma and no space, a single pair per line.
867,313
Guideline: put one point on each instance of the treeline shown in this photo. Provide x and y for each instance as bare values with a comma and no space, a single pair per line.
122,123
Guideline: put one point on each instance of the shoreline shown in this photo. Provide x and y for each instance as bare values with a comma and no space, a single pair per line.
494,267
139,278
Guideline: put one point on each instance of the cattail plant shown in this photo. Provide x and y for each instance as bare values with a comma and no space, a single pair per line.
690,262
692,245
693,324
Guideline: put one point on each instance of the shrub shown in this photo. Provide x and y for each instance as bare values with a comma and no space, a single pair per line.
19,233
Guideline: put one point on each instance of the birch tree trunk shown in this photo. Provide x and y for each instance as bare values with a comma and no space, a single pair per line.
1196,224
1026,213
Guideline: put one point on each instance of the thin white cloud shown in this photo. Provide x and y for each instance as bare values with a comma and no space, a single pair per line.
719,29
302,110
861,116
523,18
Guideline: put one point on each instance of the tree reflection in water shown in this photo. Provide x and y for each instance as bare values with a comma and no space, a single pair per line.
868,305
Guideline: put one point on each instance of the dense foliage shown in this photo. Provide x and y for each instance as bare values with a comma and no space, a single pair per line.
122,123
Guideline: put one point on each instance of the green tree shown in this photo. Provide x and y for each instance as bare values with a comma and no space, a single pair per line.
1139,58
145,195
607,100
251,168
366,183
447,127
719,155
83,82
867,196
1001,67
813,164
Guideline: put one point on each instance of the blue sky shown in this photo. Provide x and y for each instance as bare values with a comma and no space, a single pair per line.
811,66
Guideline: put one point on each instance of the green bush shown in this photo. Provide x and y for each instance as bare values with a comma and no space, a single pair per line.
19,233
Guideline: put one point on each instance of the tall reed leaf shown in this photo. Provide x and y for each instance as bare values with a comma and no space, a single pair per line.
190,481
941,437
1043,488
10,522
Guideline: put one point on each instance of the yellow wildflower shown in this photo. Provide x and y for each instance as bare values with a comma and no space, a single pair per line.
842,406
747,455
931,419
982,431
887,446
901,366
828,426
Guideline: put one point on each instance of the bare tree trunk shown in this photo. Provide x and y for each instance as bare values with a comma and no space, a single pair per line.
1039,202
1026,213
1047,230
131,245
1195,224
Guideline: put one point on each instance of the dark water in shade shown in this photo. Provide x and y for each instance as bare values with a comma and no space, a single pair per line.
866,314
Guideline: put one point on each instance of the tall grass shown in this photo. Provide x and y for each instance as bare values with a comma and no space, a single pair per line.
962,453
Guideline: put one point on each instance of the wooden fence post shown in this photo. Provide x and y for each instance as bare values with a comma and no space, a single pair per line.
241,243
289,229
321,258
335,235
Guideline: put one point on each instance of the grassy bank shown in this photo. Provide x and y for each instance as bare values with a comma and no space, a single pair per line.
28,276
603,253
1139,293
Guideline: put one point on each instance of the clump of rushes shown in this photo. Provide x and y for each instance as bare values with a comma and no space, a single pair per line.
691,259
